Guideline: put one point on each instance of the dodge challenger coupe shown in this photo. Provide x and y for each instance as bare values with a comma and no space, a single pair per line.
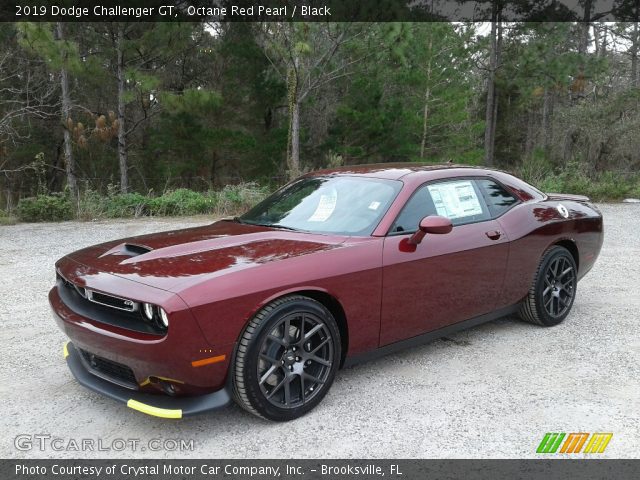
336,267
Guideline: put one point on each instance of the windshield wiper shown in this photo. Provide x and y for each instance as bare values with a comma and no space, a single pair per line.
270,225
284,227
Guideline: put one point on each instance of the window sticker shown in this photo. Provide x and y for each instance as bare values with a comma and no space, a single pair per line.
455,199
325,208
374,205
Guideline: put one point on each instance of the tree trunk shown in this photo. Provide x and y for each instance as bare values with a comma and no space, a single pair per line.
492,104
294,164
498,63
635,81
583,45
427,97
547,108
530,137
122,140
293,147
69,162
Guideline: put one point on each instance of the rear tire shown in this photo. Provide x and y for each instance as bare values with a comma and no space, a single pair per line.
553,291
286,359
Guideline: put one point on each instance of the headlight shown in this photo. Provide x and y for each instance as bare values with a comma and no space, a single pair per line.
164,318
147,309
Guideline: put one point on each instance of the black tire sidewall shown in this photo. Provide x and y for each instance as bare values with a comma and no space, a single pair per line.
552,254
250,374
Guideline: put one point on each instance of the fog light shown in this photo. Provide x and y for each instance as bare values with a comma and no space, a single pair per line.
164,317
147,308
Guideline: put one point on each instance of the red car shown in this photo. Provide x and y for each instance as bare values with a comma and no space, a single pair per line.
337,266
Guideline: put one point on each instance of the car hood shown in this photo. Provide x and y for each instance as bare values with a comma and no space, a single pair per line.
171,260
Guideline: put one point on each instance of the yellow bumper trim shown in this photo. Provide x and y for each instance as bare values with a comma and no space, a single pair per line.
154,411
65,350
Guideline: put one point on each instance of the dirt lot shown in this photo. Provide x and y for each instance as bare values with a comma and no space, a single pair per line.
493,391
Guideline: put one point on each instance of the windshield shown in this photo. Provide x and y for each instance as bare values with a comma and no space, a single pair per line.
341,205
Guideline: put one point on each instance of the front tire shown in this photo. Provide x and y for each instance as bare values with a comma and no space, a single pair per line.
287,358
553,290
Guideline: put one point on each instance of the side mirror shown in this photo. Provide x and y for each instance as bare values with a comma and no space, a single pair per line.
433,224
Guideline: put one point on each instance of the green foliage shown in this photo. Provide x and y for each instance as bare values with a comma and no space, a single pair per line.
424,78
182,202
39,38
207,105
192,101
239,198
126,205
605,186
45,208
231,200
6,219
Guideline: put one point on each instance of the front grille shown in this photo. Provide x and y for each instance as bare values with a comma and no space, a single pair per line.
105,308
110,301
109,370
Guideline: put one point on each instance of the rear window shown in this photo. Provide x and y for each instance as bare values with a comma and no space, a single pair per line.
497,198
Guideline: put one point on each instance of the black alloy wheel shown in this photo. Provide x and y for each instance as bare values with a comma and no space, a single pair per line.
295,360
553,290
287,358
559,287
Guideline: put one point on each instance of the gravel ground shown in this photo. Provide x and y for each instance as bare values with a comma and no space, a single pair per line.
490,392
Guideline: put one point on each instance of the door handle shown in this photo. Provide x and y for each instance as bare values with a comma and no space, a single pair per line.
494,234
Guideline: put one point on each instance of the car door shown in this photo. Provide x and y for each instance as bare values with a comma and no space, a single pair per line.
446,278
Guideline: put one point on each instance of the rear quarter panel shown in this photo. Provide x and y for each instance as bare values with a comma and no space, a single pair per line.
534,226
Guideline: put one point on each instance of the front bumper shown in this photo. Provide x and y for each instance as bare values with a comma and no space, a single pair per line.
157,405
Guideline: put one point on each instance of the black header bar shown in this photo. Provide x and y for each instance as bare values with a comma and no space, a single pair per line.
317,10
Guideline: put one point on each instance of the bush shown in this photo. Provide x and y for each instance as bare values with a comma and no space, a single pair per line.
182,202
231,200
126,205
599,187
45,208
234,199
91,205
6,219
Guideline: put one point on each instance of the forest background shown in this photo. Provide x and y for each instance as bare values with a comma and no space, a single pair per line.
126,119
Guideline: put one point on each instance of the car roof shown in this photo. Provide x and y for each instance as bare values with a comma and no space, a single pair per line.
415,174
396,171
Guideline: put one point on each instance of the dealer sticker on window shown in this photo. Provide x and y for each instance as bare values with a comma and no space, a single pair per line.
325,208
455,199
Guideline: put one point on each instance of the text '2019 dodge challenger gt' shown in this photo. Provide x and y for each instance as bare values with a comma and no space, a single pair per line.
335,267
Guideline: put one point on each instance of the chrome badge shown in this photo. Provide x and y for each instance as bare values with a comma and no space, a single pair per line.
562,210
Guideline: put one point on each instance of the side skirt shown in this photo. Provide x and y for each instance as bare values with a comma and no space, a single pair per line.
429,336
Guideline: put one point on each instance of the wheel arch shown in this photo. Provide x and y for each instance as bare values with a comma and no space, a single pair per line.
571,245
335,307
327,300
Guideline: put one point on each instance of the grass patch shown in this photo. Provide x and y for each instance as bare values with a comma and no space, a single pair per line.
599,187
7,219
231,200
604,187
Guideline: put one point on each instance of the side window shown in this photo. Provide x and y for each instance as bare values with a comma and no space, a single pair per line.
419,206
497,197
459,200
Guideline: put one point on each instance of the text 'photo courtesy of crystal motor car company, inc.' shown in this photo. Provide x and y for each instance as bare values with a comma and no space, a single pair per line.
334,268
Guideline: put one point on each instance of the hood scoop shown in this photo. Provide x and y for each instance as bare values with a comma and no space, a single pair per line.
127,250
